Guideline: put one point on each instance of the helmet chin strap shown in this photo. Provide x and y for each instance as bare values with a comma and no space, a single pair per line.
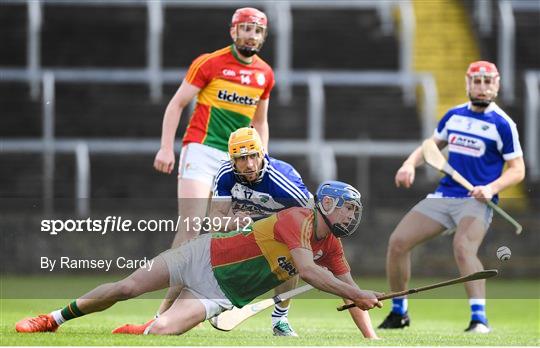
246,51
260,174
336,229
480,102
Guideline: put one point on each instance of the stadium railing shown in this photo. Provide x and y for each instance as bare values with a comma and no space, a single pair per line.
532,125
320,151
506,42
279,11
506,52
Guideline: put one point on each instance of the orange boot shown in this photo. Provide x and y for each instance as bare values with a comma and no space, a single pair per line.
131,329
41,323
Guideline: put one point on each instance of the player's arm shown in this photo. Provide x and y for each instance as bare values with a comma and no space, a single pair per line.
260,121
514,173
361,318
164,161
228,220
405,174
221,209
324,280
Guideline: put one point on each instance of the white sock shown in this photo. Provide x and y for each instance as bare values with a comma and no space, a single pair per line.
57,315
279,313
477,301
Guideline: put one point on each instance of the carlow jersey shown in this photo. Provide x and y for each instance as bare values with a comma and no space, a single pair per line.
229,95
248,263
478,146
280,187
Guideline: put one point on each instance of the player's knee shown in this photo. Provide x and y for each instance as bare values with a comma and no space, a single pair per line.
159,327
164,326
463,251
397,245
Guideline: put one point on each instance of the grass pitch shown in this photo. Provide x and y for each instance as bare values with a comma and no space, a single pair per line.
435,322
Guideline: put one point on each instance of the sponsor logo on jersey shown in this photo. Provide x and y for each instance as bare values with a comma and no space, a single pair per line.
229,72
466,145
246,72
237,99
260,79
248,208
287,266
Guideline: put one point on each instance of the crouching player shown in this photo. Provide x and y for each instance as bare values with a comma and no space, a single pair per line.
252,186
220,270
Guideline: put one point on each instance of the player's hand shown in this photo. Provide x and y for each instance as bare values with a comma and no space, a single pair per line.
367,300
405,175
482,193
164,161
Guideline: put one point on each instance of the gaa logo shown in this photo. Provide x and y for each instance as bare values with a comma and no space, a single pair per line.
228,72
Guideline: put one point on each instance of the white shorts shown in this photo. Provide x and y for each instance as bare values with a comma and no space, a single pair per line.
200,162
189,267
449,211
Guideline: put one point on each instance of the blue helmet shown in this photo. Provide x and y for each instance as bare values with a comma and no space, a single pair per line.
341,193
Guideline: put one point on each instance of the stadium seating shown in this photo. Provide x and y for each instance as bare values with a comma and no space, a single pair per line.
115,37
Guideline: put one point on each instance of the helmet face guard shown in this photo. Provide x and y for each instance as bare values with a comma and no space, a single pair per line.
486,73
254,23
346,207
245,142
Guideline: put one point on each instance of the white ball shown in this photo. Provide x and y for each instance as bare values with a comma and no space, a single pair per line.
504,253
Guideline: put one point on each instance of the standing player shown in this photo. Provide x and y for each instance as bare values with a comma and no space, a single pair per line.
253,185
219,270
481,138
232,86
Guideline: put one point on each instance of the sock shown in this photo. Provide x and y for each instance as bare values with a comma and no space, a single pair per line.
69,312
400,305
57,315
278,313
478,310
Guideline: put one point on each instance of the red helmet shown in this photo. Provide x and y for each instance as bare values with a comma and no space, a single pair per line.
482,67
249,15
482,70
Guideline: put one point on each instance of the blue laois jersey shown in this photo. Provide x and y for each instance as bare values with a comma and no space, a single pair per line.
280,187
478,146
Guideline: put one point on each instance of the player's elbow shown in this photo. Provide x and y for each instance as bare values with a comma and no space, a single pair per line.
520,175
517,167
307,273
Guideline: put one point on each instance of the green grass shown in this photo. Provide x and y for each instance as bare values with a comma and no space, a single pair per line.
434,322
